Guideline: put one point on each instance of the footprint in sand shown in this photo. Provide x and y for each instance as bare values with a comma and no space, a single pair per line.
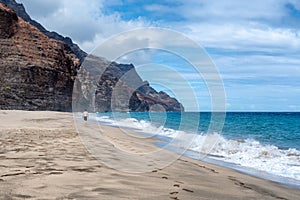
179,182
176,185
173,193
239,183
187,190
176,198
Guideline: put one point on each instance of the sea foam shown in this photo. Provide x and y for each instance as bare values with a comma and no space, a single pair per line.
247,153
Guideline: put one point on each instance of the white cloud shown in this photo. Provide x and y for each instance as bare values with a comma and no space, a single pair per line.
230,24
235,10
83,21
248,38
39,9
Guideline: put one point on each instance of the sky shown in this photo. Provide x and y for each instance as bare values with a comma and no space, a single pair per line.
254,45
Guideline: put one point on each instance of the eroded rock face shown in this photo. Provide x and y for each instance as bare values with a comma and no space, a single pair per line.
105,86
37,73
8,23
20,11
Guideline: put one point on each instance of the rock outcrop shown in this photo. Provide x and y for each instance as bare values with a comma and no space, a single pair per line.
37,73
21,12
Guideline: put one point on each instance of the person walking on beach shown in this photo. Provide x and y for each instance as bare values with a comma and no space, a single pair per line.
85,115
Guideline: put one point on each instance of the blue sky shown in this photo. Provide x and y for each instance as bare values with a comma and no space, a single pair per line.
254,44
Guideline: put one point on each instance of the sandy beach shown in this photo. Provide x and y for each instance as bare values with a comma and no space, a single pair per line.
42,157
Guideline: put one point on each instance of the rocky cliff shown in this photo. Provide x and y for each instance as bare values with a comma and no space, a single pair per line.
20,11
37,73
105,86
38,69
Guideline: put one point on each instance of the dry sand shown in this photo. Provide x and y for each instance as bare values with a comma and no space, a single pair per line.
43,157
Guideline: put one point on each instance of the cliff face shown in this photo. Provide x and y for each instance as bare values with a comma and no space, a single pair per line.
38,69
20,11
37,73
105,86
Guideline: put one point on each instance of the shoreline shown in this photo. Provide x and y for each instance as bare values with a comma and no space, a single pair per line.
42,157
293,183
284,180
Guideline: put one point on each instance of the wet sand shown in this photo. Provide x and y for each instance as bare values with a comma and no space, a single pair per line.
42,156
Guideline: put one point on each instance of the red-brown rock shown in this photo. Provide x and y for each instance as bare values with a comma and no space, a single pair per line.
36,72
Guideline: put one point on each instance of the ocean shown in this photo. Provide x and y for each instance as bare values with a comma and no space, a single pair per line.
263,144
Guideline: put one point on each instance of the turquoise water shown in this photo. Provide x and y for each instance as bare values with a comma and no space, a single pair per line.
281,129
261,142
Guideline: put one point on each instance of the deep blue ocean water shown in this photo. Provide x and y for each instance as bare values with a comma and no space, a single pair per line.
264,141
